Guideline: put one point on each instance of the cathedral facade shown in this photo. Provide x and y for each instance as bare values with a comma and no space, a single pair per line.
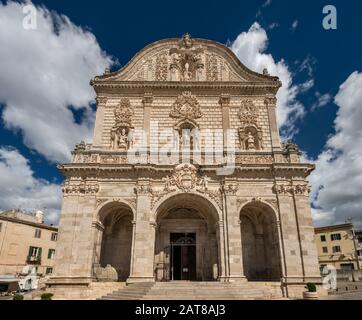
186,177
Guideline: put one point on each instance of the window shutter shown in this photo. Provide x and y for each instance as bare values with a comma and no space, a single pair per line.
39,253
49,253
30,251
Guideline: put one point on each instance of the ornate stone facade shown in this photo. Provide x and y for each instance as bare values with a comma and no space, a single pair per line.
159,196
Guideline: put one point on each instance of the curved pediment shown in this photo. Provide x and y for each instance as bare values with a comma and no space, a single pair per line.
186,59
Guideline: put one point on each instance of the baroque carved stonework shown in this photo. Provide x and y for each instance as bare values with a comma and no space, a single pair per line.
143,189
83,187
186,60
186,106
248,113
120,132
300,189
252,159
184,178
250,134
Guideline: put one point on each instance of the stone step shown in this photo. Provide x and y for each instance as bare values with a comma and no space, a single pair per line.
195,291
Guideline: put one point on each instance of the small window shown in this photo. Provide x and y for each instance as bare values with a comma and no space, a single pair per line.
49,270
336,249
37,233
359,253
323,238
51,254
54,236
325,249
336,237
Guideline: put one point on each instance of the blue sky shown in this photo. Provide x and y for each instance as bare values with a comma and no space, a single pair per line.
319,59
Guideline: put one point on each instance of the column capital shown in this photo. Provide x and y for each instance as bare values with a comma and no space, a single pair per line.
147,99
271,102
224,99
101,101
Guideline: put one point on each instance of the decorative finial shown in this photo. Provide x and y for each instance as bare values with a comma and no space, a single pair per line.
186,40
107,71
265,72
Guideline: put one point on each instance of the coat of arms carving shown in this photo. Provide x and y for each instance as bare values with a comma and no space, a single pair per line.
186,106
185,178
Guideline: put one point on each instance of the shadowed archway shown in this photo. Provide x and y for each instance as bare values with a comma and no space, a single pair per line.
260,242
186,246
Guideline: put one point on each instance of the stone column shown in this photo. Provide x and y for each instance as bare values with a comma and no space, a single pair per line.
306,234
98,126
233,235
147,107
225,102
221,246
270,103
289,229
143,251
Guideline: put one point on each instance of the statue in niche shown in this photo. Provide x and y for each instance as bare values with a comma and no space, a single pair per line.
250,142
120,139
250,138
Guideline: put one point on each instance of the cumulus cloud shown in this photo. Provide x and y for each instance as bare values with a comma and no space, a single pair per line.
337,180
44,73
250,48
20,189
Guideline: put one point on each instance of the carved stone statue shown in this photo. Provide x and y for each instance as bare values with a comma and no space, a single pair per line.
186,60
250,142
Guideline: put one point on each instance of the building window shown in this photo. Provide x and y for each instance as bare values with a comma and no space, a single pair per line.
49,270
336,237
1,225
325,249
323,238
51,254
37,233
336,249
54,236
359,253
347,266
34,254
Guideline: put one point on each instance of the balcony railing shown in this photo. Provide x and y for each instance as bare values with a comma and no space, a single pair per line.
33,259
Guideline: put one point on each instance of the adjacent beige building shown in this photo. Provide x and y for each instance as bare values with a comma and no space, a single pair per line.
339,246
26,240
186,178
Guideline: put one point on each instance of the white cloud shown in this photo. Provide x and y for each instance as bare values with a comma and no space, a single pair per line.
323,100
273,26
295,25
42,73
250,48
20,189
337,180
266,3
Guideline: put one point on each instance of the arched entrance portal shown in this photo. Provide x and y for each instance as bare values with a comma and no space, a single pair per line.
116,240
186,245
260,243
